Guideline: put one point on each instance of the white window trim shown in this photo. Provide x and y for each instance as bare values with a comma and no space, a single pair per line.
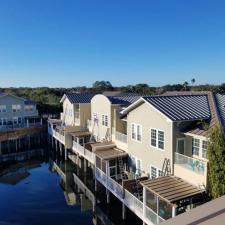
1,108
136,134
157,171
199,156
157,143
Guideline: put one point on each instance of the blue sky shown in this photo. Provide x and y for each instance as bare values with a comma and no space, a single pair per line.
65,43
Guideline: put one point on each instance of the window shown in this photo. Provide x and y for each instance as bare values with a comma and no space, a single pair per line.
136,132
155,172
157,139
105,120
195,146
161,139
153,137
16,108
204,149
29,108
2,108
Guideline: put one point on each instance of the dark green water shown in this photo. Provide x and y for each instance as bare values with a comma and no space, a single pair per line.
42,193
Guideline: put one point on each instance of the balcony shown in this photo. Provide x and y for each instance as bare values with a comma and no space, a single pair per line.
59,136
196,165
132,202
121,137
81,150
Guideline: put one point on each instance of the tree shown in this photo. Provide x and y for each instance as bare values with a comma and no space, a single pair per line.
102,86
216,157
193,81
221,89
185,85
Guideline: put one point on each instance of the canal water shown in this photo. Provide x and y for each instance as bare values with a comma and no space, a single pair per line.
42,191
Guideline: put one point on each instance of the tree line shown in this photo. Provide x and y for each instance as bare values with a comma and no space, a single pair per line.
47,99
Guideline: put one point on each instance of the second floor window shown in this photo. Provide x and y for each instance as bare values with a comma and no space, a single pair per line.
16,108
157,138
2,108
155,172
204,149
195,146
136,132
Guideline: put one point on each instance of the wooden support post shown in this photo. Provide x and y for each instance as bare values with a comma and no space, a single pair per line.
29,144
123,211
65,153
96,185
107,196
16,145
144,202
52,142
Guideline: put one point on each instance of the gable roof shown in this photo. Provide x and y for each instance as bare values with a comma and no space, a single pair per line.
78,97
199,129
220,103
124,99
177,108
26,100
180,108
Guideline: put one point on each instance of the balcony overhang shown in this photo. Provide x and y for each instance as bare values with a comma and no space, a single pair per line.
171,189
111,153
80,134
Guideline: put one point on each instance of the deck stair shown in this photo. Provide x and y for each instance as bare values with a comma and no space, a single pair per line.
166,169
122,170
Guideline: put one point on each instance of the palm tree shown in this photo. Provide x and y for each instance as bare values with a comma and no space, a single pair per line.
193,81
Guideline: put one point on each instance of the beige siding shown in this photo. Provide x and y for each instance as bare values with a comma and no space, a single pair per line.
68,113
85,114
101,106
148,118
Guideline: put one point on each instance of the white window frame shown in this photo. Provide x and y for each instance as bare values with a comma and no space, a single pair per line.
3,109
157,139
203,149
193,145
158,171
134,127
200,152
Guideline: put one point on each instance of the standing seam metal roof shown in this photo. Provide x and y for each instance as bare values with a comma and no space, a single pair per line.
183,107
220,102
79,97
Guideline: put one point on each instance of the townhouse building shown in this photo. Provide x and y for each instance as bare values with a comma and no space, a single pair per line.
150,152
17,112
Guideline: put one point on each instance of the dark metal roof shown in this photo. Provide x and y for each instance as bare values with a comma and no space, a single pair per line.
220,103
29,102
80,97
124,99
171,189
183,107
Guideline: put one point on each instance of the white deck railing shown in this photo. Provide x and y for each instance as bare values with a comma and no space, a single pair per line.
81,150
133,203
59,136
195,165
121,137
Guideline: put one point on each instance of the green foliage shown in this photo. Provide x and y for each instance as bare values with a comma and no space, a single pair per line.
216,156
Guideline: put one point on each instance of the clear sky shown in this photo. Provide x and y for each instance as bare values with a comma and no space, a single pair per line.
65,43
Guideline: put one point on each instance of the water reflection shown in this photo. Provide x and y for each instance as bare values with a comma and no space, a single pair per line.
48,190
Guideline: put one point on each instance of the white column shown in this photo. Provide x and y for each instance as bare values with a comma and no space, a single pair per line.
27,123
41,122
157,203
174,211
144,202
0,147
